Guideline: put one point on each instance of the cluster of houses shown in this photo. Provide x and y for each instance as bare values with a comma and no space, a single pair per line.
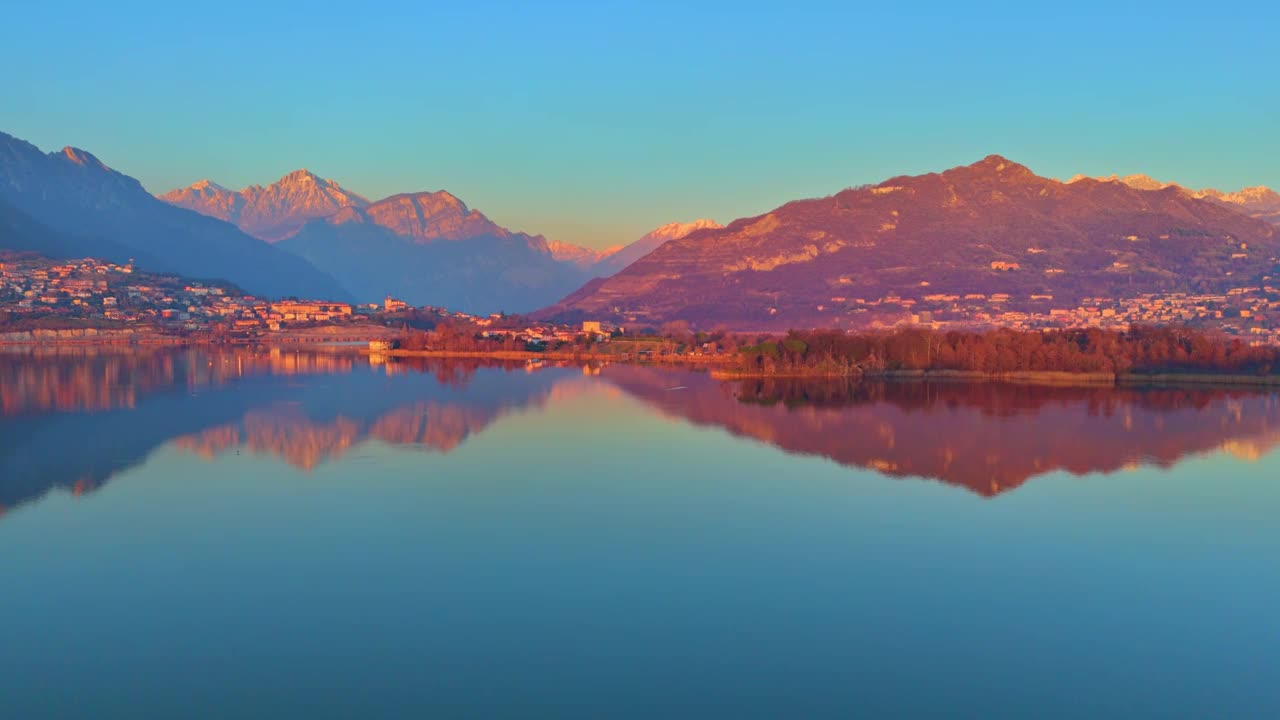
97,290
546,334
1252,312
28,284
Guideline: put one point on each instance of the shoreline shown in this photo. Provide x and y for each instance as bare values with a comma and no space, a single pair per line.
714,364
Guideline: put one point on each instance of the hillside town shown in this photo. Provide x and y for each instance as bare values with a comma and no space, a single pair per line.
39,292
1251,312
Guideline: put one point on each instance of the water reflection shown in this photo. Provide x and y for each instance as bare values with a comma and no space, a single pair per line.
36,379
287,432
987,437
73,418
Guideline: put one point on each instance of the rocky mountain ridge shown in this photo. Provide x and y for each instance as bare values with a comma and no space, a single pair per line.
270,213
1258,201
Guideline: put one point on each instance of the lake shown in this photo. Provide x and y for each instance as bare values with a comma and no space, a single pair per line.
277,533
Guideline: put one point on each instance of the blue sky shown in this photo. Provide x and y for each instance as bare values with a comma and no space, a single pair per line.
594,122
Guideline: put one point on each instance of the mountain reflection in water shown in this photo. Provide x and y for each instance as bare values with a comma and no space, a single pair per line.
74,418
987,437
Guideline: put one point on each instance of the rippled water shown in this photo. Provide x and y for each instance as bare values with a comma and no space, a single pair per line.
300,534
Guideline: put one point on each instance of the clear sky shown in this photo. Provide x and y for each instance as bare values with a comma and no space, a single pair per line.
594,122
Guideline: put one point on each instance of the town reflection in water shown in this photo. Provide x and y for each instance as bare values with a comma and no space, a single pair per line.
75,417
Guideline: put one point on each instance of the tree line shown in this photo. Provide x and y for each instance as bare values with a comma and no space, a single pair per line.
1141,349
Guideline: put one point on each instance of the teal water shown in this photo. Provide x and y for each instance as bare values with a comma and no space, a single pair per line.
258,534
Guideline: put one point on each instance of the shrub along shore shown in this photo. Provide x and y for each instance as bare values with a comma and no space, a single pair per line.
1140,354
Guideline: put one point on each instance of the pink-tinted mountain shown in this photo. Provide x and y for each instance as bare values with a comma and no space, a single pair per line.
986,228
583,257
603,263
270,213
610,263
70,204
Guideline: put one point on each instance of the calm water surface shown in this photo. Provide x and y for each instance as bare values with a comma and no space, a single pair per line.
280,534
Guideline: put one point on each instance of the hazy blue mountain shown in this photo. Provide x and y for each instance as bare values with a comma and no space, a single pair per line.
99,212
19,231
430,249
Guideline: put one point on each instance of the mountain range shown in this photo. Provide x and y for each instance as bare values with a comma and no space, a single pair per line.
988,228
269,213
70,204
852,258
427,248
1258,202
301,236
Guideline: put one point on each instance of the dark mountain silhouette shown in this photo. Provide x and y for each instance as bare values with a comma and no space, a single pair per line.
98,212
807,262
